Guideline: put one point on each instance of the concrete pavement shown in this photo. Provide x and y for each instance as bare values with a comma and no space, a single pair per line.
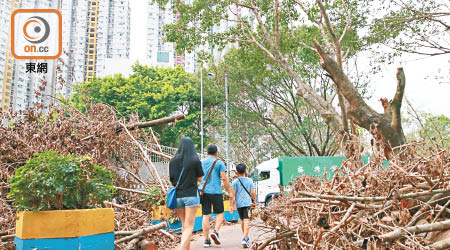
230,236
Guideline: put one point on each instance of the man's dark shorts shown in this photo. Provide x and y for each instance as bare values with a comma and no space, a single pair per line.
243,212
214,200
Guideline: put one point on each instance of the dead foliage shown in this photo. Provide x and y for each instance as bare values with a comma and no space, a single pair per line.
96,133
404,206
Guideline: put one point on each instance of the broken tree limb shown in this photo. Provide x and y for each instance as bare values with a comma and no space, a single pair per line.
143,231
276,237
161,121
132,244
7,237
373,198
146,124
438,226
147,160
122,207
132,190
441,245
167,234
342,222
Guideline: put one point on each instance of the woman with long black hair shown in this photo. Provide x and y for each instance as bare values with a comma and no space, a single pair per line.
187,164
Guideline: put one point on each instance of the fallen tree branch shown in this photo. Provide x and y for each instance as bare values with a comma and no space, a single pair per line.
7,237
276,237
147,160
342,222
441,245
132,190
438,226
132,244
161,121
172,237
372,199
143,231
146,124
123,207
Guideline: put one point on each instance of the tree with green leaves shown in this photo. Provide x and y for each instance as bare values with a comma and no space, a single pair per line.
267,117
333,31
150,92
434,130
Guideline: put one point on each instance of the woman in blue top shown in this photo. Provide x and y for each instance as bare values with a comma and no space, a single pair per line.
188,200
244,192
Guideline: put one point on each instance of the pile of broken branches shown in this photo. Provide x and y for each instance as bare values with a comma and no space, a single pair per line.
98,133
403,206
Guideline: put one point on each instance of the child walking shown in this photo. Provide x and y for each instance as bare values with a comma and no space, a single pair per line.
244,192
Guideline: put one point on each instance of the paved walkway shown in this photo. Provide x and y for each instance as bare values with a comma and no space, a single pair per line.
230,236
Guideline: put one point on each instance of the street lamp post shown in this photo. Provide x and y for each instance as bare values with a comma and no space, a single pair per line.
227,123
201,108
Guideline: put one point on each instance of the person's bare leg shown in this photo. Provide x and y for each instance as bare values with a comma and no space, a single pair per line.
181,214
205,226
188,227
219,221
246,226
242,225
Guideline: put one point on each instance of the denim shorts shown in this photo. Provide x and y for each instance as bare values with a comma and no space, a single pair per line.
188,202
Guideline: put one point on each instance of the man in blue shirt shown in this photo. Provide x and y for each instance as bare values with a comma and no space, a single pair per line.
244,191
213,194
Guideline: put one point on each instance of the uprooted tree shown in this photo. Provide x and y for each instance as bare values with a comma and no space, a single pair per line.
334,30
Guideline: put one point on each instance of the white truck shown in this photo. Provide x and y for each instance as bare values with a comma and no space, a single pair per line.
270,175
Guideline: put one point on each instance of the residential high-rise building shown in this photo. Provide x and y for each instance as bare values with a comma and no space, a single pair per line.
99,31
158,52
162,54
94,31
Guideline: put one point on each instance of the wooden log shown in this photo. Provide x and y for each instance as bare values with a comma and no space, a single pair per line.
142,232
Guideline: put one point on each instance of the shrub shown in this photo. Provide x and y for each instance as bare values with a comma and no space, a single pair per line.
50,182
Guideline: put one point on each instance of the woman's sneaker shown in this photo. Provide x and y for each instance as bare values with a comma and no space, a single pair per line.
207,243
245,243
215,237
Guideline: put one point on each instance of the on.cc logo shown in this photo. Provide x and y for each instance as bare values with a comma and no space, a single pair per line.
36,29
36,34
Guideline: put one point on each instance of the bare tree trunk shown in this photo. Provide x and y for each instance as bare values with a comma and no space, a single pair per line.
389,123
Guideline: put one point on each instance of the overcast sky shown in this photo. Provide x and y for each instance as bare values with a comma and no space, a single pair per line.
422,90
